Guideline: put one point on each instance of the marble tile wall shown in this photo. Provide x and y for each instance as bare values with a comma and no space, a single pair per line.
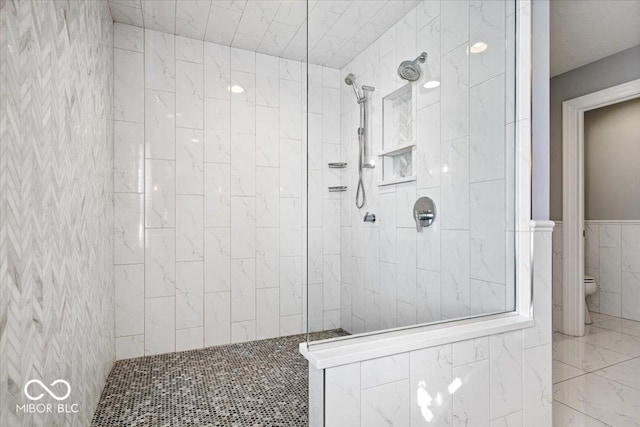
56,207
463,264
612,257
210,188
502,379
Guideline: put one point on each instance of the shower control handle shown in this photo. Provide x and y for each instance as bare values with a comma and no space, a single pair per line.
424,212
424,216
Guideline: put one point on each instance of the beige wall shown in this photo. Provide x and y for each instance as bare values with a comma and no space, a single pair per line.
607,72
612,162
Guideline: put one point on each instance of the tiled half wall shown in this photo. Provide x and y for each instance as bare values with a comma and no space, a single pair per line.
501,379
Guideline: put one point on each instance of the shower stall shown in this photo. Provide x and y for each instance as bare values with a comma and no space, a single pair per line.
312,166
280,172
422,231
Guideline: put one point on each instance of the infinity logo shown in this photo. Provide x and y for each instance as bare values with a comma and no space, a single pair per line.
51,393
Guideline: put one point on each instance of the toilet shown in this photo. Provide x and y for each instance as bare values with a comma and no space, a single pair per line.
590,286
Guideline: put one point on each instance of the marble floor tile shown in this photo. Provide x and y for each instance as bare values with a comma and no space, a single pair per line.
628,345
600,317
625,326
609,396
563,416
585,356
600,398
627,373
563,372
558,337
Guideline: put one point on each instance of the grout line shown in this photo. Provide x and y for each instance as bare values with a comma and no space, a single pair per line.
206,25
264,35
613,380
586,415
238,25
175,16
572,378
385,383
521,410
597,325
142,13
128,50
603,367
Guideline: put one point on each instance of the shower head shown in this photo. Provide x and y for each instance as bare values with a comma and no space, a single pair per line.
351,81
410,70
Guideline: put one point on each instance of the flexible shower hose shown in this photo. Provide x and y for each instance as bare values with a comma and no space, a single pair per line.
360,189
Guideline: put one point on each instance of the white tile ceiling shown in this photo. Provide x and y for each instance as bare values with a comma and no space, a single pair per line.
338,30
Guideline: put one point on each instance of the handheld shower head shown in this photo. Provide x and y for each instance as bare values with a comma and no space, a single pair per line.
350,79
410,70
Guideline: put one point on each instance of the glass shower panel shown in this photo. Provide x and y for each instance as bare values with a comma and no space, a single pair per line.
406,101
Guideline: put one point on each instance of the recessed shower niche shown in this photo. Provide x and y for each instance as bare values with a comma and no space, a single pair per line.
398,136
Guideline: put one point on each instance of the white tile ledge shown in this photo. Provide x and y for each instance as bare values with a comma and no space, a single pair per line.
542,225
342,352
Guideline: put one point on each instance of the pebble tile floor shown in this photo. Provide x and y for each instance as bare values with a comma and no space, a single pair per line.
259,383
596,378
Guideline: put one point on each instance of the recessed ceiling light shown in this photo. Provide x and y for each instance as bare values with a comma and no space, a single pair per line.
478,47
235,89
431,84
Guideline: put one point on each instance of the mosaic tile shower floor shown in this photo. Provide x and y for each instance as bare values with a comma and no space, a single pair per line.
258,383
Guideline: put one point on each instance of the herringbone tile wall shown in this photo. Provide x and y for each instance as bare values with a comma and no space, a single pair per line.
56,217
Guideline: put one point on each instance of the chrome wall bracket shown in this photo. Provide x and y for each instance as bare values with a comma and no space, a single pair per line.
337,188
338,165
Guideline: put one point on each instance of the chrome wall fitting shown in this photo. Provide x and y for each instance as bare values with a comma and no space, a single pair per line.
424,212
338,188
